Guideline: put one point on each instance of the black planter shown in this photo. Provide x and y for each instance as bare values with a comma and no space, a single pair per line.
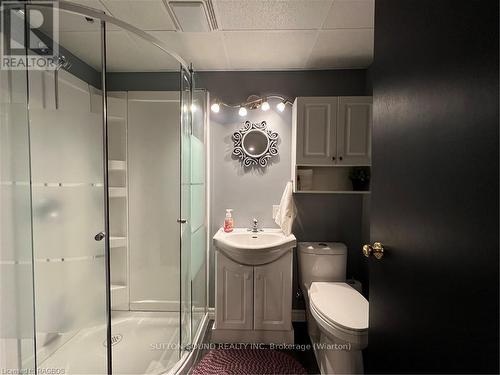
360,185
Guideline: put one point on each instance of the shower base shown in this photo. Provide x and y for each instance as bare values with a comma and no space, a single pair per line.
142,343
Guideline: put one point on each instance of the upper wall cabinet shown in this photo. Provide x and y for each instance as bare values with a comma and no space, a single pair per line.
328,135
332,130
315,127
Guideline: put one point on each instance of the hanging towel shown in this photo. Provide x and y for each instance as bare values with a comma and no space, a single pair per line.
286,210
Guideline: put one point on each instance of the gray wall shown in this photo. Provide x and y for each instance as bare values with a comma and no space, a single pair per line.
251,193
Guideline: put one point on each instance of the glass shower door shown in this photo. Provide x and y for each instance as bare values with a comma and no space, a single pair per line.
185,219
68,201
17,344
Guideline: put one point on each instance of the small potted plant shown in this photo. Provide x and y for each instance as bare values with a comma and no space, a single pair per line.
360,178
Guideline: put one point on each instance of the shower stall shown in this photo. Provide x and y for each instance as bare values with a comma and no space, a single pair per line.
103,199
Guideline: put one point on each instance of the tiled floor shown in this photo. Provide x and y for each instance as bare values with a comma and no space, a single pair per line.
303,351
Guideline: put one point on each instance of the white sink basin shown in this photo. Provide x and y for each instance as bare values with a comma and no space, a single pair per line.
251,248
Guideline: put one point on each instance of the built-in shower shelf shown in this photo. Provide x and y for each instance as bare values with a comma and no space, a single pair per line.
117,287
116,119
117,165
119,296
117,192
117,242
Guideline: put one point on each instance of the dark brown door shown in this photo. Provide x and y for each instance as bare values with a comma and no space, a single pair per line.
434,295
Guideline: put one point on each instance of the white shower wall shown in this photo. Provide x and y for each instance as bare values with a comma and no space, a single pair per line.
154,191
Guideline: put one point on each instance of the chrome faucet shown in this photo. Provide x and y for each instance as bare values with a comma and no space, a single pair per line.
255,227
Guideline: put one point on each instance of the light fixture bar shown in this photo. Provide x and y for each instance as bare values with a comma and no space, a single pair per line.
253,102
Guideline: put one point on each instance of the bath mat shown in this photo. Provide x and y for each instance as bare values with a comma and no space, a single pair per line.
247,361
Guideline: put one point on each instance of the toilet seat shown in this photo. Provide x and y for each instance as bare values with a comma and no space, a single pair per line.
339,306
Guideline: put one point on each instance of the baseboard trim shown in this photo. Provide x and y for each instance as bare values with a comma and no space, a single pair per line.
297,315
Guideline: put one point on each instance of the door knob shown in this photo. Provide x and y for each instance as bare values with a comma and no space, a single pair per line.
377,250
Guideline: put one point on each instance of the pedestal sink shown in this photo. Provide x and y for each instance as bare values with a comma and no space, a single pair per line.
250,248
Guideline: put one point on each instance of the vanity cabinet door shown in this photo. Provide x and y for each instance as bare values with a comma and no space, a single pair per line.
234,294
273,295
354,124
316,127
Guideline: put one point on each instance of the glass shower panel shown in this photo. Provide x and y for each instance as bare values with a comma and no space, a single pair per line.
198,206
186,219
143,113
68,202
17,344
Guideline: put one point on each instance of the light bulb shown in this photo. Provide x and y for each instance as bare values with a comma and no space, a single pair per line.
265,105
215,107
242,112
281,106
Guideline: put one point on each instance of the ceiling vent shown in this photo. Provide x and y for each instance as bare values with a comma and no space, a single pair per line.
192,16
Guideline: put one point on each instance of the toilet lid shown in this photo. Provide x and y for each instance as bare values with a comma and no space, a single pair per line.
340,304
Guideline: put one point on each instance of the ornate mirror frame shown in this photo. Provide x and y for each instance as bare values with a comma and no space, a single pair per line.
248,159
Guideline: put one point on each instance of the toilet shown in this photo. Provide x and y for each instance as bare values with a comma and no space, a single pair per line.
336,313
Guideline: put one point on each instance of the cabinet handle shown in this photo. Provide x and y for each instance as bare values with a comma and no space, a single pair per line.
333,157
340,158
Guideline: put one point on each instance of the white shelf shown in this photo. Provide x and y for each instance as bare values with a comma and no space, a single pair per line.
116,119
117,192
117,242
119,296
117,165
331,192
117,287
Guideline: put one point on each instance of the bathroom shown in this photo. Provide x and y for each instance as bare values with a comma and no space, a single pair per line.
114,257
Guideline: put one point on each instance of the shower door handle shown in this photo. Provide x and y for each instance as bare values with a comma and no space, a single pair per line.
99,236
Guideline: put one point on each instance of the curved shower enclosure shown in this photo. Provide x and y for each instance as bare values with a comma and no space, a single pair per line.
103,266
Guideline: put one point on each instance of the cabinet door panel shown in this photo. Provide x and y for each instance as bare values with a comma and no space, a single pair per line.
273,295
234,299
354,130
316,130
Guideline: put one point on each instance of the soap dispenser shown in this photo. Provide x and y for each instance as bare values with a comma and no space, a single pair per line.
228,221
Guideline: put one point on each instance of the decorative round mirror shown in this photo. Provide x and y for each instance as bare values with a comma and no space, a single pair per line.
255,144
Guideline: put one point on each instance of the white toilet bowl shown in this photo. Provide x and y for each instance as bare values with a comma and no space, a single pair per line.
341,314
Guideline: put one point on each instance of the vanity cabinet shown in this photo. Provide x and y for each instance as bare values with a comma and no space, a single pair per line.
234,287
332,130
253,303
273,295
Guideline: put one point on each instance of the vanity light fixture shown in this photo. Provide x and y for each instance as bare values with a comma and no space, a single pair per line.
215,107
265,105
242,112
252,102
281,106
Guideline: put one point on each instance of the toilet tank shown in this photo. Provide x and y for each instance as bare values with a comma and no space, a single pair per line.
321,261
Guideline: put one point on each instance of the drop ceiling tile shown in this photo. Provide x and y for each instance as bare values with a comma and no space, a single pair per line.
265,50
205,50
351,14
127,52
95,4
271,14
342,48
144,14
